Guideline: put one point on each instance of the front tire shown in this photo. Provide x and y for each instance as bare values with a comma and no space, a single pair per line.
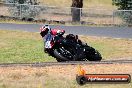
59,57
94,56
64,53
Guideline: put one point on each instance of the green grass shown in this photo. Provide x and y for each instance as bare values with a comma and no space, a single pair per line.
21,47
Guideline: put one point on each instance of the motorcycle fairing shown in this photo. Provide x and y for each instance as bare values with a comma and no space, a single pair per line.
48,41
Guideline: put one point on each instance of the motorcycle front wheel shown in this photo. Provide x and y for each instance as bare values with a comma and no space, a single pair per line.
93,56
64,53
59,57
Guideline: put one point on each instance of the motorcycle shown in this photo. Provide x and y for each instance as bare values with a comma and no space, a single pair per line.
70,48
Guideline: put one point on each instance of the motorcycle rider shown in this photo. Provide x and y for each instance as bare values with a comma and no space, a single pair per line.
45,29
48,34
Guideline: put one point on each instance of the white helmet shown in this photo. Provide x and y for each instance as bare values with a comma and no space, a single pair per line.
45,28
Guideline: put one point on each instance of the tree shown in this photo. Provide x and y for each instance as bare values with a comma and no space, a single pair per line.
76,10
123,4
126,6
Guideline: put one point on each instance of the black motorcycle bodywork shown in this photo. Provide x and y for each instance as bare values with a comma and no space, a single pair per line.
68,49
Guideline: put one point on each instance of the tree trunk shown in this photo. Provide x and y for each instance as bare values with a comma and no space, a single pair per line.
76,10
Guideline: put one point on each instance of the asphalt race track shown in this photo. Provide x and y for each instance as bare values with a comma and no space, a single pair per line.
113,32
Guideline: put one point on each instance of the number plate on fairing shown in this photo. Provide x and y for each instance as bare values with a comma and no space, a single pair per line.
47,44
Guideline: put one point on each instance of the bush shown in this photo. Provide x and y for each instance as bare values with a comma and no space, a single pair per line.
126,6
30,11
125,15
21,9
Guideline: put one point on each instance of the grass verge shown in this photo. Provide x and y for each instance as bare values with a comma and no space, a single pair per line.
14,21
59,76
26,47
21,47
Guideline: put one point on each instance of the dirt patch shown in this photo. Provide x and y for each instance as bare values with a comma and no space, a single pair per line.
68,71
56,76
4,10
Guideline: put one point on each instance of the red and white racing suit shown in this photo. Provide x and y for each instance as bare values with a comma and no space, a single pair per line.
48,35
